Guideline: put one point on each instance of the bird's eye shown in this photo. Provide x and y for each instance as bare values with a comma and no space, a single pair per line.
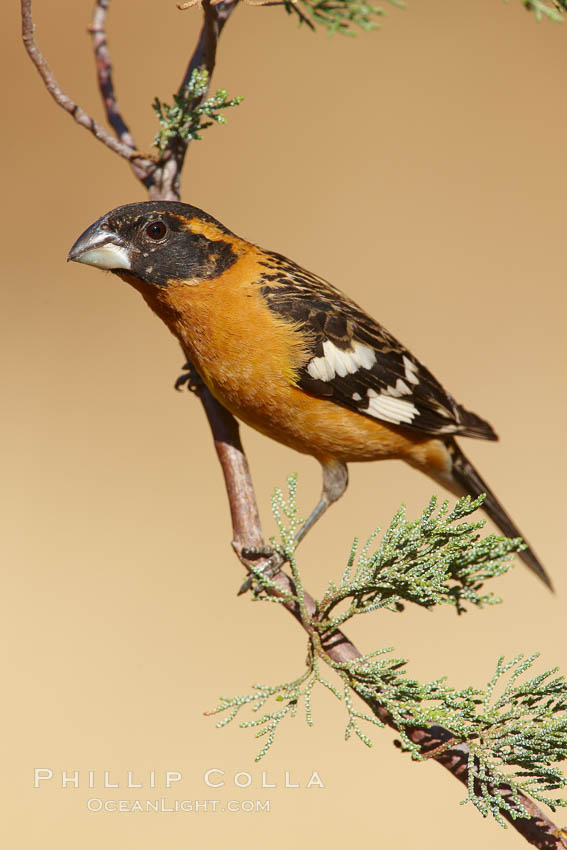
155,230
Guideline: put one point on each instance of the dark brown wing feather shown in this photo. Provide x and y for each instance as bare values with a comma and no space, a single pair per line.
389,383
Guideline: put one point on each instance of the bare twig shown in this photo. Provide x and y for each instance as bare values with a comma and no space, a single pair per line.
161,176
205,53
191,3
114,117
52,86
246,526
162,179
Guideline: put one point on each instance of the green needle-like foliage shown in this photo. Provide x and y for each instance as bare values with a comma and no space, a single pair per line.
552,9
433,560
349,16
515,727
342,16
515,737
190,113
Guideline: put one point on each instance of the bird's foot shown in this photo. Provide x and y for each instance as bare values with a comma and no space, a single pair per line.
254,553
191,379
270,569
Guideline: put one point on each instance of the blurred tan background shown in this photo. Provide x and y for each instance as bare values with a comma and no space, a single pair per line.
422,169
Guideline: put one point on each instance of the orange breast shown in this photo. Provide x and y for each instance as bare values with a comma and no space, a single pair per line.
248,357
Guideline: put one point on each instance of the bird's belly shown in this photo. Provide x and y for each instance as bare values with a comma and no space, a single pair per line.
311,425
250,368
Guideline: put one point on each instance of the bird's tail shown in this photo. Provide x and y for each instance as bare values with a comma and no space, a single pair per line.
467,478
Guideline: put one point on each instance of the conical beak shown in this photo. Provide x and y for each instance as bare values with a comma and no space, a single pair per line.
100,247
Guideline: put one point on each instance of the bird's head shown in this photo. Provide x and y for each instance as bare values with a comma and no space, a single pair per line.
156,242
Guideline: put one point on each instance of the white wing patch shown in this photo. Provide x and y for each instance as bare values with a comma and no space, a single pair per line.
390,409
402,388
341,362
389,405
410,370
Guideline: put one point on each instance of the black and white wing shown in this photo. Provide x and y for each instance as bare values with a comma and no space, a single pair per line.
356,363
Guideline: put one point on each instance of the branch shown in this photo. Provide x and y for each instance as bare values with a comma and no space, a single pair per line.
161,176
435,743
246,526
204,57
97,30
114,117
81,117
167,179
215,16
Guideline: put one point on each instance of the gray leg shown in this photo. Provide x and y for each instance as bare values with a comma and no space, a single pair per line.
335,482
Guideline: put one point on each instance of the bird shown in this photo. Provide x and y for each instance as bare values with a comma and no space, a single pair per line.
291,355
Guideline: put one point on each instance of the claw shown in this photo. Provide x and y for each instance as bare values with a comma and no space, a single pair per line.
253,553
191,379
181,380
245,586
271,568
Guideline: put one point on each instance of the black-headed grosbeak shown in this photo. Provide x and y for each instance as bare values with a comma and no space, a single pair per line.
288,353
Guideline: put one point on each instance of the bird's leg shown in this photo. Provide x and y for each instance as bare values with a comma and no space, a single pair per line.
335,482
